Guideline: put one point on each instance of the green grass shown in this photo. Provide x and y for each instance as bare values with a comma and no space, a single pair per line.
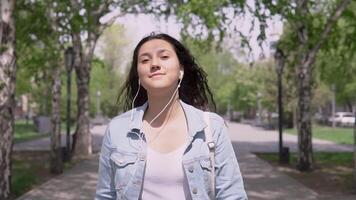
23,177
337,135
24,132
331,174
30,169
323,158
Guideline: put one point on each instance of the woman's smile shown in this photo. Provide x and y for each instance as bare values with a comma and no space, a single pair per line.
156,75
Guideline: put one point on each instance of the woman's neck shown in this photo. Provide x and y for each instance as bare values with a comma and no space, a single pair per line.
157,104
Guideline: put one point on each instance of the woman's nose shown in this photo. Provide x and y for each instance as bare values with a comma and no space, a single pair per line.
155,65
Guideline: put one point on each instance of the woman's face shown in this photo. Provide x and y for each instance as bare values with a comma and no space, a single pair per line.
158,65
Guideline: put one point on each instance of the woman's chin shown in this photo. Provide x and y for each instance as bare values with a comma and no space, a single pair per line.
160,88
159,84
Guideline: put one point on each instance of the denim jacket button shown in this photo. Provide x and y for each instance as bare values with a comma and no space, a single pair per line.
195,190
191,169
142,158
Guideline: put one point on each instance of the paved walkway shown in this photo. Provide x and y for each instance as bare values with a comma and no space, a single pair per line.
44,143
262,181
77,183
253,139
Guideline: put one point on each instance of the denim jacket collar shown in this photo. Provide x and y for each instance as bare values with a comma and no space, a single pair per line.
194,116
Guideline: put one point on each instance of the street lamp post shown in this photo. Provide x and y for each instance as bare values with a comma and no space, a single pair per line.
69,60
98,112
259,109
283,151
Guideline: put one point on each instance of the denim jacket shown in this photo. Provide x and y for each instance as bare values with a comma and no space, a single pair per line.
123,157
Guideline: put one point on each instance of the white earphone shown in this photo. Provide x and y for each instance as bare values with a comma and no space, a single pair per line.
180,78
180,81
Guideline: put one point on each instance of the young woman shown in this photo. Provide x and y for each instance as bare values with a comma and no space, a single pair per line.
159,150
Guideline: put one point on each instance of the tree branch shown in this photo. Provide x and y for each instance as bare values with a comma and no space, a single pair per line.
329,23
109,22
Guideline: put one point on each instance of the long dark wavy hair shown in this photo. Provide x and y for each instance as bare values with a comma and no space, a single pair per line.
194,89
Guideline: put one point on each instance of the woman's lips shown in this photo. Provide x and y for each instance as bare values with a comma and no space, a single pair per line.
156,75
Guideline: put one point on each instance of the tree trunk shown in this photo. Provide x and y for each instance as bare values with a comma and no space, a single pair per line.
305,147
7,90
303,72
45,104
306,57
56,152
84,50
82,138
295,116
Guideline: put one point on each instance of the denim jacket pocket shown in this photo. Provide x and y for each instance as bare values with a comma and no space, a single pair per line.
122,159
206,167
124,166
205,164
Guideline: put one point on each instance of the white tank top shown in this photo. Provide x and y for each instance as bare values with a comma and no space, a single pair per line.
164,177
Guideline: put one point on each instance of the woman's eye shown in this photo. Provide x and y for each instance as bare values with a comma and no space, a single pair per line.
164,57
144,61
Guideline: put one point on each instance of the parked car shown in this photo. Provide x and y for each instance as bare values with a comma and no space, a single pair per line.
343,119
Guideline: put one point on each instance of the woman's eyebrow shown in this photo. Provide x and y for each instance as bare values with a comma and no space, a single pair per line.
158,51
145,54
163,50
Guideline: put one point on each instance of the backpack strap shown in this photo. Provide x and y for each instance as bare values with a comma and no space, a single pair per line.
211,145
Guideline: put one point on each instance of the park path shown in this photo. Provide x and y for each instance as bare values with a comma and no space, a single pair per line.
262,181
43,144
